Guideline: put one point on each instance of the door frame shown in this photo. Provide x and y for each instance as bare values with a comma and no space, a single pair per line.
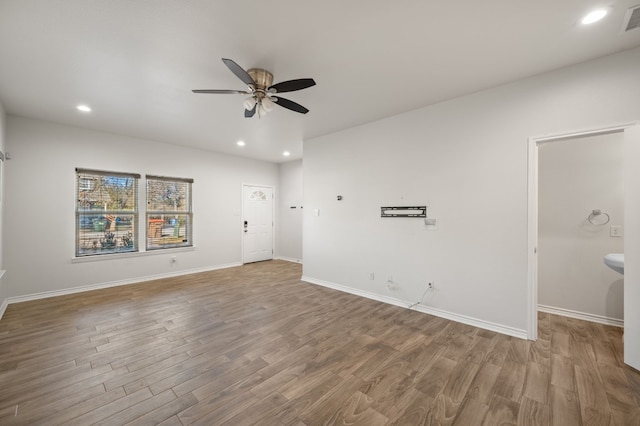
273,219
532,213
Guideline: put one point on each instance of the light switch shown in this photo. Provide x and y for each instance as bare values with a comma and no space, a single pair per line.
316,212
616,231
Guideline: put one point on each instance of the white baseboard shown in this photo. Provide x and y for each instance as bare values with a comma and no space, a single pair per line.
581,316
288,259
46,294
475,322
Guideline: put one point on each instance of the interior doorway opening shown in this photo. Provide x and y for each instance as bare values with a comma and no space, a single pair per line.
630,225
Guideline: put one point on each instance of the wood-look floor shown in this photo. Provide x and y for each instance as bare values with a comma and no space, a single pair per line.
255,345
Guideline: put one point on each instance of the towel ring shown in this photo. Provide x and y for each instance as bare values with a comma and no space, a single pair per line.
598,218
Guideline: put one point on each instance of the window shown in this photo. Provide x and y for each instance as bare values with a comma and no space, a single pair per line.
106,212
169,215
257,195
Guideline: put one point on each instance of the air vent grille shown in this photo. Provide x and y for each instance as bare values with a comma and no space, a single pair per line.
632,20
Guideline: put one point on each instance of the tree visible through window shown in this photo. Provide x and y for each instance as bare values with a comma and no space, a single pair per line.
106,212
169,215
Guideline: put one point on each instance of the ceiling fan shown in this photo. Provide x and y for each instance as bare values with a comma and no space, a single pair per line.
261,90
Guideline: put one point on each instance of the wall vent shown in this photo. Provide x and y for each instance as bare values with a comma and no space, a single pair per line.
632,19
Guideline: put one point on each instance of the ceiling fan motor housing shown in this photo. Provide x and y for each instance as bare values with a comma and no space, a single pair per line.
263,78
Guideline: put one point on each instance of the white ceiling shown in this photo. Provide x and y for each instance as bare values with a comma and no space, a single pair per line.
135,61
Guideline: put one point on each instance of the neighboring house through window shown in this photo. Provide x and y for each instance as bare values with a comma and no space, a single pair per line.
106,212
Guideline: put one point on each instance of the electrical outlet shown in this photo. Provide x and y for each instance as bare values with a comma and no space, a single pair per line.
431,223
173,259
391,285
430,286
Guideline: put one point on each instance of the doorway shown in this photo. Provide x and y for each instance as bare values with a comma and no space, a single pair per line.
580,220
631,227
257,217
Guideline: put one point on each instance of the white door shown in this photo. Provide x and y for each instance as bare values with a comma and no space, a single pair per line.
257,223
632,247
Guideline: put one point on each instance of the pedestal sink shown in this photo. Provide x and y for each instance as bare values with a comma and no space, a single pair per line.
615,261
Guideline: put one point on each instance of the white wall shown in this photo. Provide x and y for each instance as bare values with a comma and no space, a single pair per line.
466,159
575,177
289,244
39,204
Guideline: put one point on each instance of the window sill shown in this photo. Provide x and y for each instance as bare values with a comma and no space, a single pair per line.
116,256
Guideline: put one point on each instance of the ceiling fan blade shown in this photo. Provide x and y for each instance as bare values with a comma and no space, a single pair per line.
239,72
222,92
286,103
248,113
292,85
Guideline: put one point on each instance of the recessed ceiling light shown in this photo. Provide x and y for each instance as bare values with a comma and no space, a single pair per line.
286,153
594,16
241,143
84,108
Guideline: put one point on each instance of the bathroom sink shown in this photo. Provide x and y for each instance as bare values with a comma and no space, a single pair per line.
615,261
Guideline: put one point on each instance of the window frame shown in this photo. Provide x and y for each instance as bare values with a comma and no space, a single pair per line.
113,242
187,212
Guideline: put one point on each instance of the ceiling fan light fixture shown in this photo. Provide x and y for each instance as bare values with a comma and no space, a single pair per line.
249,103
261,110
267,104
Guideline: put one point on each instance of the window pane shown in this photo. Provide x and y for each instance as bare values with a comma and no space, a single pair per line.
166,231
97,192
169,216
105,234
168,196
106,212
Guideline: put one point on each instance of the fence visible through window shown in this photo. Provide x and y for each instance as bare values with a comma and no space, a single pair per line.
169,217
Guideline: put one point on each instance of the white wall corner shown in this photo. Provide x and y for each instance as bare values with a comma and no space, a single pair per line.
288,259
